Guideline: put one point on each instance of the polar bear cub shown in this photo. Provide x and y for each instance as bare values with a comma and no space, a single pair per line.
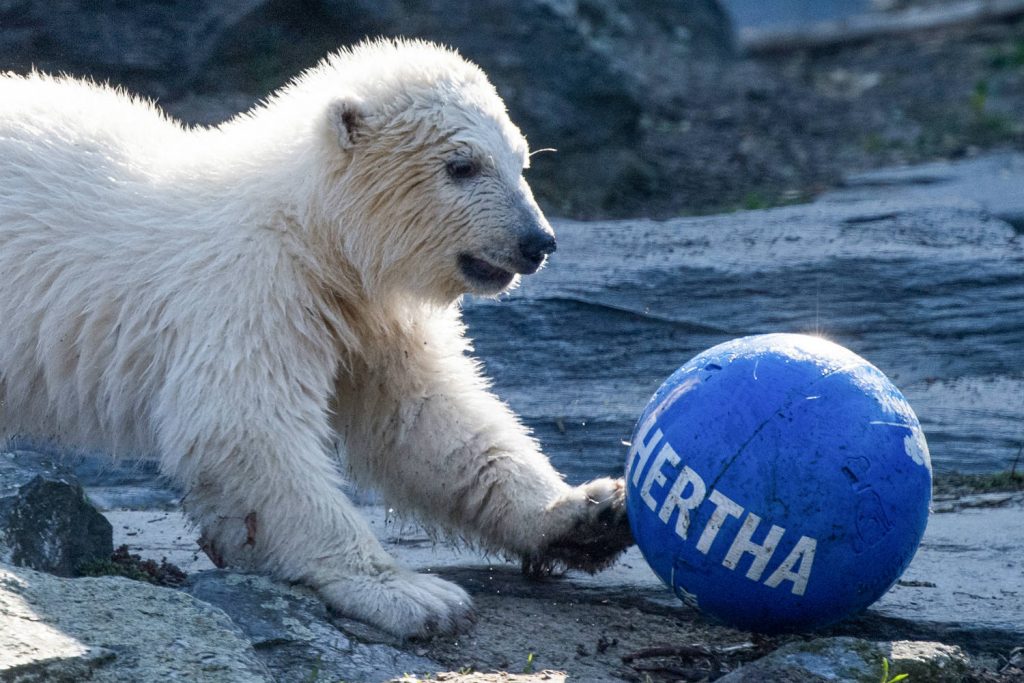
234,299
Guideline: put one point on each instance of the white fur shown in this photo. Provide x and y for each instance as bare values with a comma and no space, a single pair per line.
233,299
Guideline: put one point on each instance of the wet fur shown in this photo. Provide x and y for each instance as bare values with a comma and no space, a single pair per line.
233,300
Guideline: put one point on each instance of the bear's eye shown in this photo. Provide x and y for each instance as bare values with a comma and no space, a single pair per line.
462,169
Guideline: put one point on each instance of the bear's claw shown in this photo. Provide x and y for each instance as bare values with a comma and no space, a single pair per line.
596,539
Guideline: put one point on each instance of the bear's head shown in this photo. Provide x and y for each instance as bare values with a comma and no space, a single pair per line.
430,174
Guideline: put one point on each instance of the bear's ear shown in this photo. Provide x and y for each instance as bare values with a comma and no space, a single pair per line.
347,118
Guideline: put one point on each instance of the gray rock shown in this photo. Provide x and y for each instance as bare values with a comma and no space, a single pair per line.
570,69
756,14
51,659
496,677
993,182
854,660
294,635
114,629
46,523
151,46
160,535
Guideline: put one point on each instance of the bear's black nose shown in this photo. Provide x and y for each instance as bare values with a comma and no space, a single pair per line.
536,245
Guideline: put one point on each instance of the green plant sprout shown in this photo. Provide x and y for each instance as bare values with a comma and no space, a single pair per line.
885,673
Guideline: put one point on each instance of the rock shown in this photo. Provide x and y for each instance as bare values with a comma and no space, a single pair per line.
992,182
938,598
52,658
295,637
852,24
154,47
497,677
748,14
109,630
559,87
46,523
855,660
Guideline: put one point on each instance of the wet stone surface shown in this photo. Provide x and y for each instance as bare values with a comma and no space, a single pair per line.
46,523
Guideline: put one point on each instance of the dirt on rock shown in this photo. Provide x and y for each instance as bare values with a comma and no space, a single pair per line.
610,637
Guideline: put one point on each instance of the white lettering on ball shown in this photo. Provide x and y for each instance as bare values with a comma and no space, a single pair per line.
689,491
675,500
642,449
802,553
762,552
725,507
656,476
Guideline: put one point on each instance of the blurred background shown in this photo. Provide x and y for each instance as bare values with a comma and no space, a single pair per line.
657,107
661,109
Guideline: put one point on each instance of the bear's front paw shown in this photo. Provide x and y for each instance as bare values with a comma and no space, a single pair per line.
404,603
598,533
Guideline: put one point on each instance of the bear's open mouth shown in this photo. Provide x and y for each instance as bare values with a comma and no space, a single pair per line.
479,271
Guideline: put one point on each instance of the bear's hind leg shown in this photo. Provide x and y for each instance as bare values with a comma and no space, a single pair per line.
338,556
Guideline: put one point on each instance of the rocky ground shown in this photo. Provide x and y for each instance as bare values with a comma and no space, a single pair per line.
957,615
781,128
920,268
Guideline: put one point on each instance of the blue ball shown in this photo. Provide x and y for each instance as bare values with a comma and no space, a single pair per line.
778,483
